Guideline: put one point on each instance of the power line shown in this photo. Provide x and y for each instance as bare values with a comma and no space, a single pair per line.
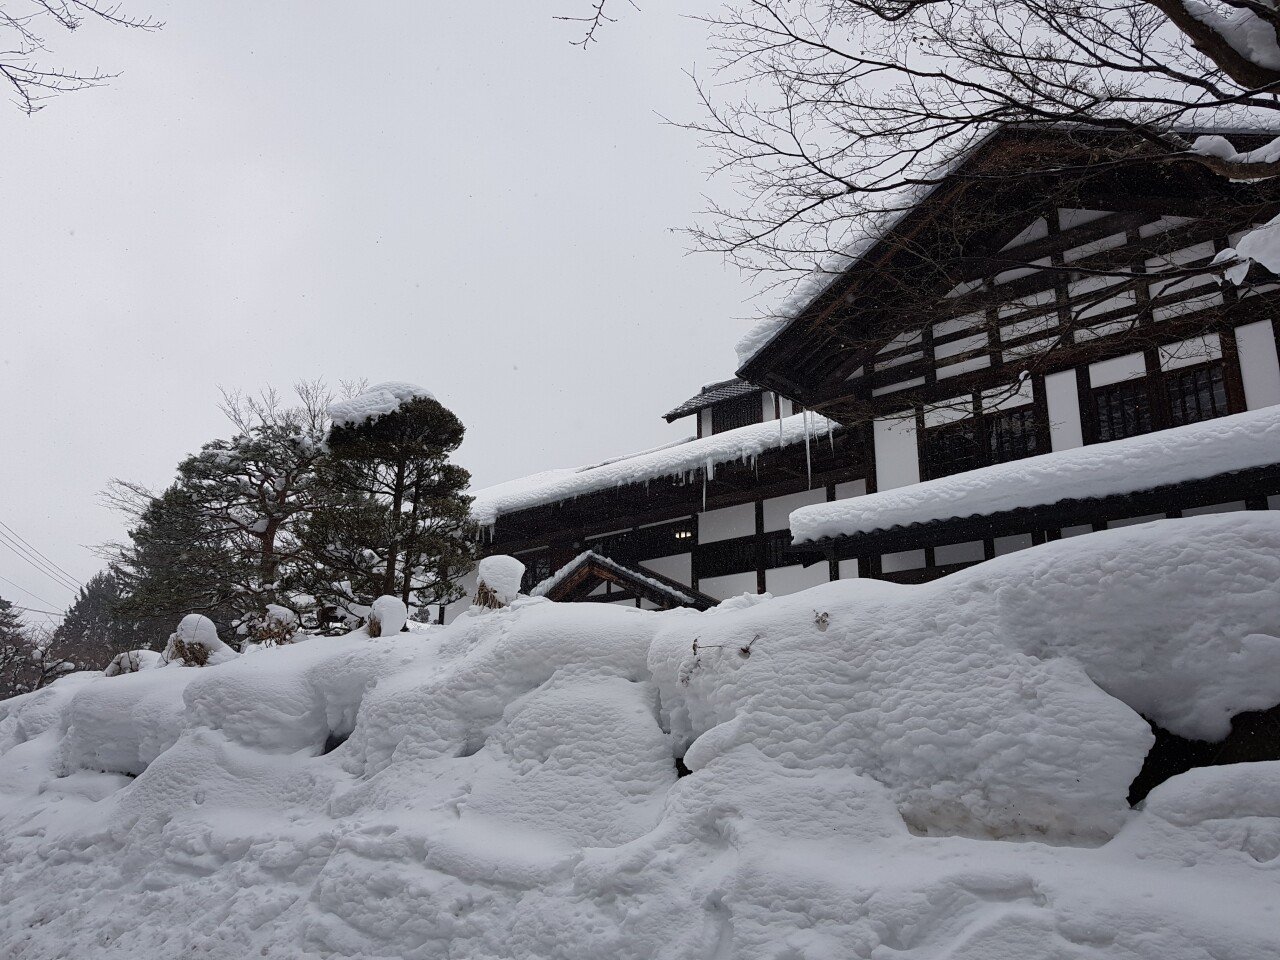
28,592
21,554
48,613
40,555
39,558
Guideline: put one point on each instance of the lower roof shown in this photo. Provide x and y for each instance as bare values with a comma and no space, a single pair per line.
685,458
1197,452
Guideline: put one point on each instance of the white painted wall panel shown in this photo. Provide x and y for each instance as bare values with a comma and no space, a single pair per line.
704,418
853,488
1259,367
678,567
1187,353
722,588
1116,369
897,456
727,523
902,560
1063,400
777,511
848,569
786,580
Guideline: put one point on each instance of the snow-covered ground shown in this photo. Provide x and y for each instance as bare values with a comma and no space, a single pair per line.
878,771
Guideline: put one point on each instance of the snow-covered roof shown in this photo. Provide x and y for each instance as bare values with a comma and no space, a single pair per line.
376,401
675,460
712,393
678,594
895,205
1195,452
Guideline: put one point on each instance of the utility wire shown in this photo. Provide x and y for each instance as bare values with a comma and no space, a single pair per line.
28,592
44,562
41,555
48,613
23,555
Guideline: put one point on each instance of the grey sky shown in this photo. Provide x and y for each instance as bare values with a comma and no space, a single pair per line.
443,193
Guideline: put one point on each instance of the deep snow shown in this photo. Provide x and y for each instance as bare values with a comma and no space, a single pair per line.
878,771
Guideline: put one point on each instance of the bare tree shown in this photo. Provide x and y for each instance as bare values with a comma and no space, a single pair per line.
833,116
24,25
593,21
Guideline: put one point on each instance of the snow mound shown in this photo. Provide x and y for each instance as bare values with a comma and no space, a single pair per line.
196,644
501,576
387,616
131,661
507,785
377,401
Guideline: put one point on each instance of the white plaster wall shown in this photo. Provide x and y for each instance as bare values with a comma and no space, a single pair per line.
897,456
1259,367
766,406
777,511
678,567
1187,353
786,580
902,560
722,588
847,569
727,523
1111,371
852,488
1063,400
704,417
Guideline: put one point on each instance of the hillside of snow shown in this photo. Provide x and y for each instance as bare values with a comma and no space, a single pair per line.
873,771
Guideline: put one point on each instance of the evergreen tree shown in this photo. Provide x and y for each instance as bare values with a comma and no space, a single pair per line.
414,513
175,563
94,630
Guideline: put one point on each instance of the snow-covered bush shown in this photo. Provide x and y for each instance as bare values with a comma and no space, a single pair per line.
196,644
498,581
276,626
387,616
131,661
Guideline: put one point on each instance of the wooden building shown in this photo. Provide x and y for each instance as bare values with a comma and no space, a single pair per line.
1042,298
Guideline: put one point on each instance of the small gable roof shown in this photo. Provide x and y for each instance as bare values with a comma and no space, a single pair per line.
577,578
711,394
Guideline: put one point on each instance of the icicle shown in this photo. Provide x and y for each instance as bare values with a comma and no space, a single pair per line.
704,491
808,462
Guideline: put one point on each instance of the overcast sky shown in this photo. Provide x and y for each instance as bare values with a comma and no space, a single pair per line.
444,193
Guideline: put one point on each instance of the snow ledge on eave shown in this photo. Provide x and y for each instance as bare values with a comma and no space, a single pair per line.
1195,452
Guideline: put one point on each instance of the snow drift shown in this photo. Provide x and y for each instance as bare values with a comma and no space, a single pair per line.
875,771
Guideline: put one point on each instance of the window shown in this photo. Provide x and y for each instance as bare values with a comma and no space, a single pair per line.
737,413
979,441
952,448
646,543
1122,410
724,557
1196,394
1134,407
1012,434
537,567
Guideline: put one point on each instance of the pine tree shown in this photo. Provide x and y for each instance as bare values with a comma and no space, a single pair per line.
175,563
415,515
94,631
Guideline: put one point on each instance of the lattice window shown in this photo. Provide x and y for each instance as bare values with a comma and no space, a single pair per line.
1012,434
736,413
1196,394
1122,410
